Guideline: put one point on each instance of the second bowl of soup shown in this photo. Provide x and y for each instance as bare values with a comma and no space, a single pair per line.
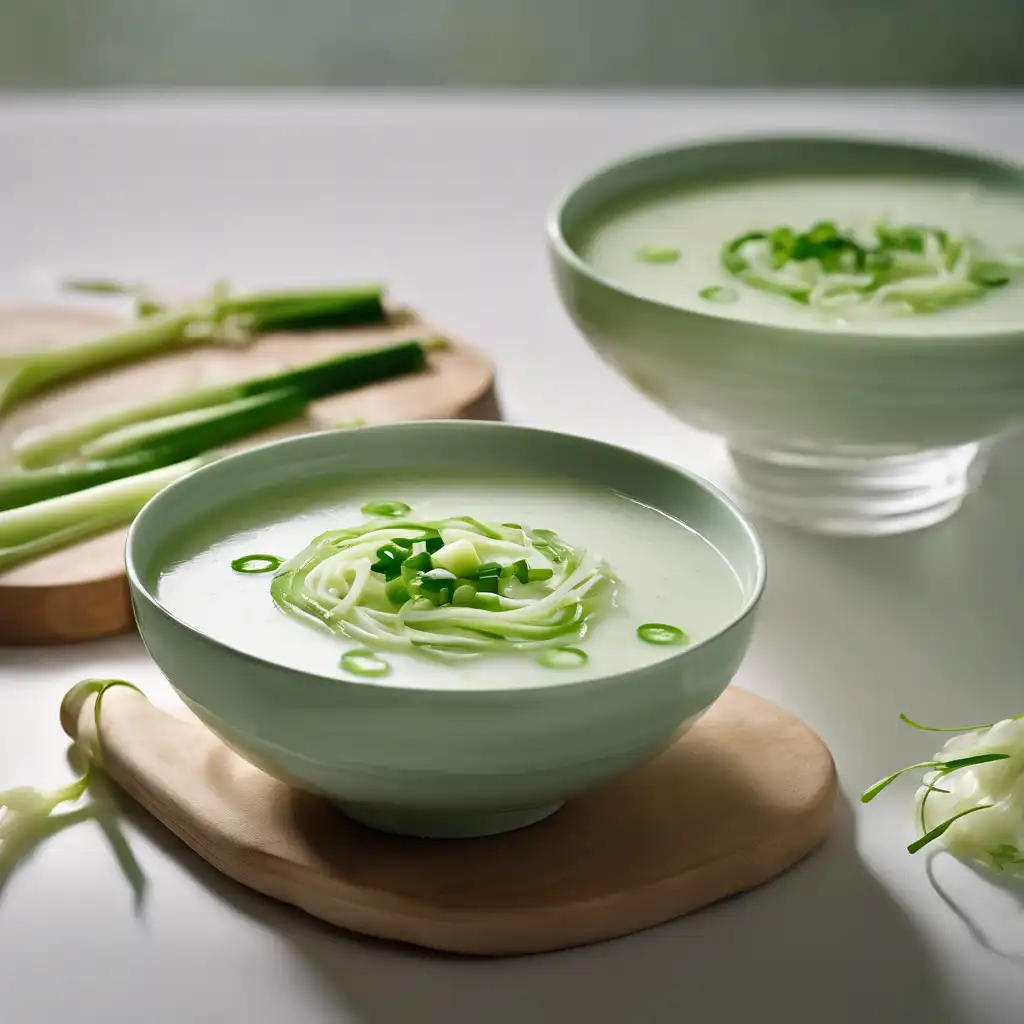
848,314
448,629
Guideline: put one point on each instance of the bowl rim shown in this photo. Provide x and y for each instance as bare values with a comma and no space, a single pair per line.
142,591
568,255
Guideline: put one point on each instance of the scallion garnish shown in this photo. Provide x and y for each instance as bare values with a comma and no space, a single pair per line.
375,584
395,509
719,293
659,633
562,657
485,569
362,662
903,269
658,254
257,563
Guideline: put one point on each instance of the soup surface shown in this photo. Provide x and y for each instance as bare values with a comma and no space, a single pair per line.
685,230
667,573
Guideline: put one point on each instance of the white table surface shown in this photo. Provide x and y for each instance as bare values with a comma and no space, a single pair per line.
445,198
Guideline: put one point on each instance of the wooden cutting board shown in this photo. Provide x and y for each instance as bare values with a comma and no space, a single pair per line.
81,593
743,796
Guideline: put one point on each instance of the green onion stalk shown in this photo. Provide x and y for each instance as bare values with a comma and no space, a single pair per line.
37,529
70,456
219,319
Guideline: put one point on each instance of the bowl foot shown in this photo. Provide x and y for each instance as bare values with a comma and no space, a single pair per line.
445,824
857,492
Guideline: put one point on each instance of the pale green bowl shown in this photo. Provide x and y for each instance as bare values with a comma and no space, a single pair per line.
441,762
839,432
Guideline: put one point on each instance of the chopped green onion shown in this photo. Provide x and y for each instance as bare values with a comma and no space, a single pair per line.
655,254
521,570
437,579
485,569
539,575
339,581
396,591
395,509
362,662
718,293
659,633
390,559
416,564
562,657
915,268
256,563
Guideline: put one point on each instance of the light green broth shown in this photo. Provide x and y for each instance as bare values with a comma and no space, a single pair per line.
666,573
629,243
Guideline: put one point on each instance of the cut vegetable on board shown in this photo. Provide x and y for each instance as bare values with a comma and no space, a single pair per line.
218,319
339,364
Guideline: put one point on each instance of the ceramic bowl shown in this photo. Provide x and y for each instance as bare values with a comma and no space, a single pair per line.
840,432
441,762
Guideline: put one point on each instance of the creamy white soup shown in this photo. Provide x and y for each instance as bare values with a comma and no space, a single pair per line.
510,582
901,254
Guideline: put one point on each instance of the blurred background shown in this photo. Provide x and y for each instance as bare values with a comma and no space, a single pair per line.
96,44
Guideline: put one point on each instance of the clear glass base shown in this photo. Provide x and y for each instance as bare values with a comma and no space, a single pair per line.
856,492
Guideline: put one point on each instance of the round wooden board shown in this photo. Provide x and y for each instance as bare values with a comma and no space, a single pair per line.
743,796
81,593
